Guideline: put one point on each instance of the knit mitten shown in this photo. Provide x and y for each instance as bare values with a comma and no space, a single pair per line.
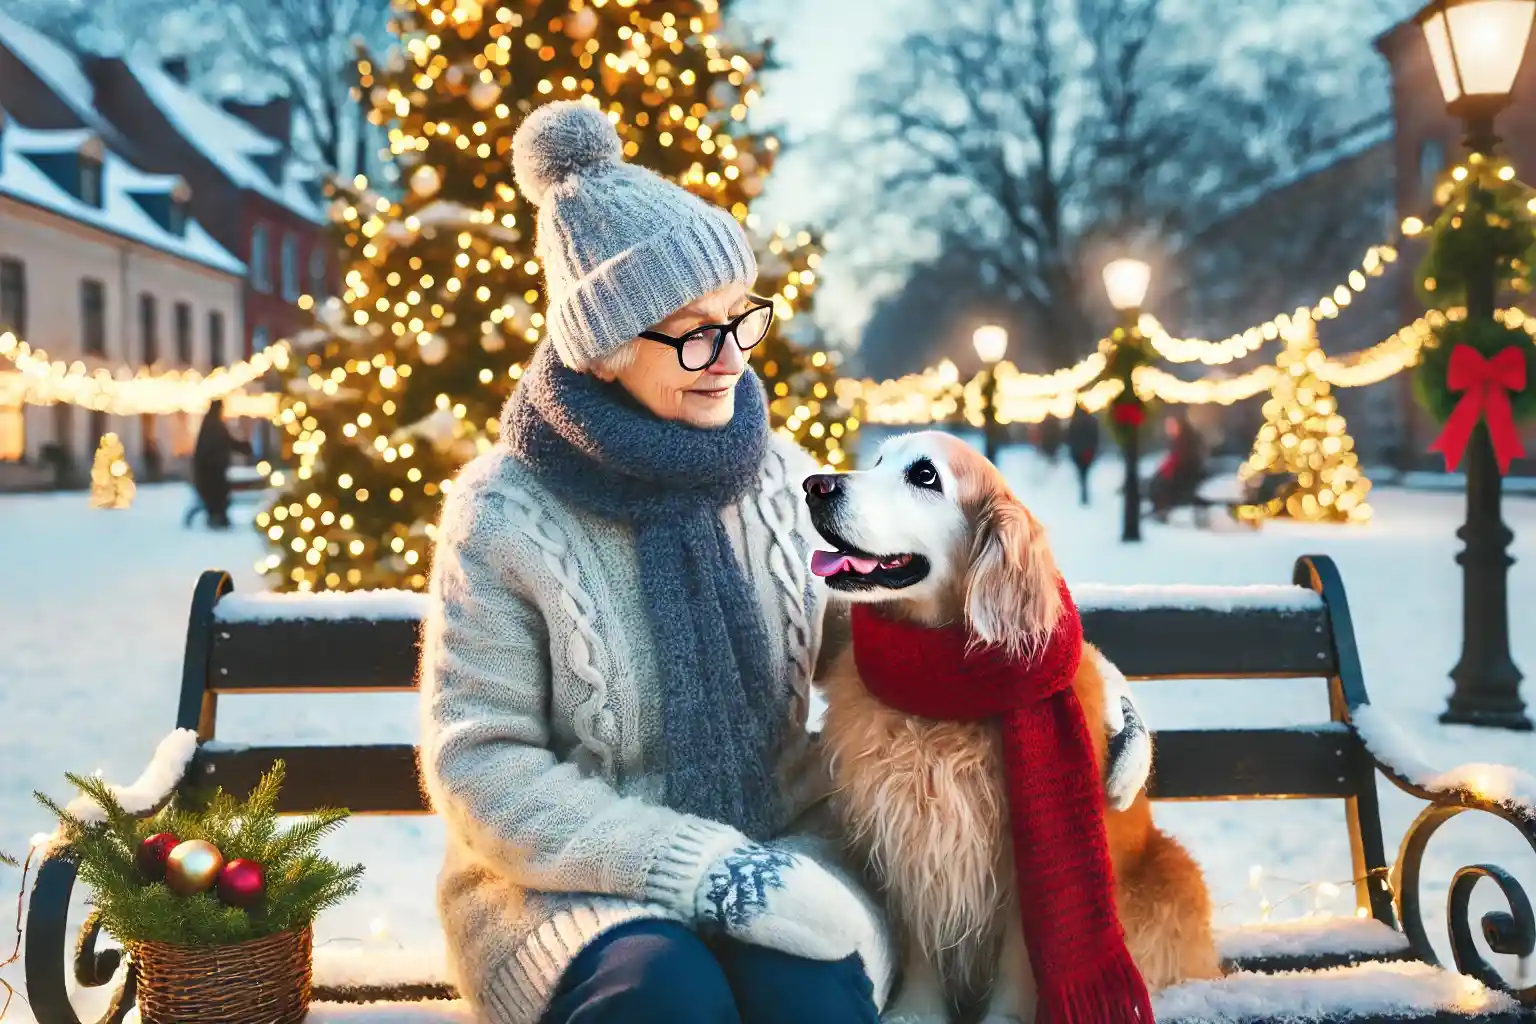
778,899
727,884
1129,760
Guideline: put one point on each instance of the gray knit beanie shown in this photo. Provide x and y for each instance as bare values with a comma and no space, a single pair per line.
621,247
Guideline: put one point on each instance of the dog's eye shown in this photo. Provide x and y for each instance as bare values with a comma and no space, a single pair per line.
922,474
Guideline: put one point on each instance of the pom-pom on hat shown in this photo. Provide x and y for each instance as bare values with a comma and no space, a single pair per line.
621,247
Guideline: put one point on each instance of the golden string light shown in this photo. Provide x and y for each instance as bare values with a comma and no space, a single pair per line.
937,394
41,380
1216,353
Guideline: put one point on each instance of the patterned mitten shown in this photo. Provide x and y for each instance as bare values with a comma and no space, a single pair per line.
781,900
1129,761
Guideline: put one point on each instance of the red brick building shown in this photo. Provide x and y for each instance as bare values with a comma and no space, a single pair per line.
249,190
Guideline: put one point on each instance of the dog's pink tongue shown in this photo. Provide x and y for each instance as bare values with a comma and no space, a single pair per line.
830,563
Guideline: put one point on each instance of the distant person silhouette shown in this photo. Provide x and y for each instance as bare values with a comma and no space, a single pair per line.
1083,447
211,458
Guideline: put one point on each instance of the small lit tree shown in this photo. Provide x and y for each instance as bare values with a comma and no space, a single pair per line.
111,477
1304,438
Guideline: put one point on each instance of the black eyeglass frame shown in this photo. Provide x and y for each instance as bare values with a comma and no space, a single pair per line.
721,331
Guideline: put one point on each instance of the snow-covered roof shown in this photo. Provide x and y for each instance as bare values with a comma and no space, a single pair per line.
1362,139
231,143
59,68
120,213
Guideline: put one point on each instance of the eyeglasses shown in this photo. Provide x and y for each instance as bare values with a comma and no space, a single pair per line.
700,347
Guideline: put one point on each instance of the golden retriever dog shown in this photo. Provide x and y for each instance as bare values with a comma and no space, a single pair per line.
933,533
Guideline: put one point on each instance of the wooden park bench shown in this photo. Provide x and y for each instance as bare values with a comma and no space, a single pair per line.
1377,966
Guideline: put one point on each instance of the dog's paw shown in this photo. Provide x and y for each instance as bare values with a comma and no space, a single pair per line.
1129,760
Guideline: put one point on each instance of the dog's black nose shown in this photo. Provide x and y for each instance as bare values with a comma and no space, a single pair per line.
821,486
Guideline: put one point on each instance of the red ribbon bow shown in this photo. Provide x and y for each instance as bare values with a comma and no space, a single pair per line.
1487,384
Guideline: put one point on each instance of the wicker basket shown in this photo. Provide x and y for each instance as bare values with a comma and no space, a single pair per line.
263,981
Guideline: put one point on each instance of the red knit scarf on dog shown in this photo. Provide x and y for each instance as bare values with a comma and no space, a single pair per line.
1083,972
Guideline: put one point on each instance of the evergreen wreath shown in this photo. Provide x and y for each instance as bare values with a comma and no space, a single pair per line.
300,883
1489,339
1129,350
1488,215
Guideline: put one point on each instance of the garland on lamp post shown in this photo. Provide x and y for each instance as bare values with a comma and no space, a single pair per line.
1129,350
1477,378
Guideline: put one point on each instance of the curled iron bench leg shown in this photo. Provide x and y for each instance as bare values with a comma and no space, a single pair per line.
1511,932
46,941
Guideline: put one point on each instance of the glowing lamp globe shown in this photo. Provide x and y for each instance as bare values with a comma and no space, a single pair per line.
1477,47
1127,282
991,343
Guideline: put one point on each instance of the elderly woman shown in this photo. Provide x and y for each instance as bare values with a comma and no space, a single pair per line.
624,629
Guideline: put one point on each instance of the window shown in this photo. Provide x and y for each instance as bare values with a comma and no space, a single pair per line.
93,317
317,268
259,340
149,336
13,432
13,296
260,271
183,334
90,181
1431,163
290,268
215,339
176,218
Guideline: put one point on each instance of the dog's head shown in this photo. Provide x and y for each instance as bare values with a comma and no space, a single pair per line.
933,527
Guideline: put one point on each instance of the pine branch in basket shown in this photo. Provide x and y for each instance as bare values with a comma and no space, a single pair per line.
299,883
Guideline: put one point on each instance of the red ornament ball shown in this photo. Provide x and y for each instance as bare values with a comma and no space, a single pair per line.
1128,414
152,855
241,883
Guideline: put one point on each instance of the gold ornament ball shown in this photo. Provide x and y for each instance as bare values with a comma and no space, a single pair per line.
425,181
193,867
483,95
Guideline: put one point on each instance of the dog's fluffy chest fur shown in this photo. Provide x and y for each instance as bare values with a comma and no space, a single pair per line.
923,803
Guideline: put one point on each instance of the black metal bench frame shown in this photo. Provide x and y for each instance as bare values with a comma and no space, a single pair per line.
1328,761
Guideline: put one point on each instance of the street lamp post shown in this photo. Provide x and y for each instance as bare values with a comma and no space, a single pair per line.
1477,47
991,343
1126,281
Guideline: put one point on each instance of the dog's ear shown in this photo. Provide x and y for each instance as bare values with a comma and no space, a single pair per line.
1011,595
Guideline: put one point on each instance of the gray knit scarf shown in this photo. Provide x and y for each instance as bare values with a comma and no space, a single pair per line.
597,448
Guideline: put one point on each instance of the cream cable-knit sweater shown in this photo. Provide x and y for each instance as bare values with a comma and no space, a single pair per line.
540,728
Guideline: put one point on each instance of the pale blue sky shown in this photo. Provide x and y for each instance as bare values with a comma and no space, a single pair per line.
824,45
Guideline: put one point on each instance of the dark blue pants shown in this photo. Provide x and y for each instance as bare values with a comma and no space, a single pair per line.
660,972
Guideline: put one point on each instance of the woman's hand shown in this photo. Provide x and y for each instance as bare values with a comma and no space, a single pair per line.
781,900
794,895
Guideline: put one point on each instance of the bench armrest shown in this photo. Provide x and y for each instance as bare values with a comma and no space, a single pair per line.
47,928
1501,791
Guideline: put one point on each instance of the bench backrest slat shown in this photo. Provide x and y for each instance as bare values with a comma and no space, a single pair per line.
326,655
1213,764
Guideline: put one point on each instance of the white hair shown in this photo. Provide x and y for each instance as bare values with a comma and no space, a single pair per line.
615,362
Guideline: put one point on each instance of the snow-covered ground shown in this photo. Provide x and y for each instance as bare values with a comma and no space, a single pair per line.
93,614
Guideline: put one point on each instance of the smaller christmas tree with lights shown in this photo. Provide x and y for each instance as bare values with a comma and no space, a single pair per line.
111,477
1304,440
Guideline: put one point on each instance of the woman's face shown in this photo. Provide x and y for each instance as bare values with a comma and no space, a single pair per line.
699,398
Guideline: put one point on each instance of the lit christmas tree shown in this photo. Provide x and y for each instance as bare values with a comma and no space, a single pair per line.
797,372
111,477
1304,439
442,298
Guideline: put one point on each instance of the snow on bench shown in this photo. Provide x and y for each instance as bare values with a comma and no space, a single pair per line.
1407,989
351,966
1496,783
1310,937
373,605
1140,597
402,604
